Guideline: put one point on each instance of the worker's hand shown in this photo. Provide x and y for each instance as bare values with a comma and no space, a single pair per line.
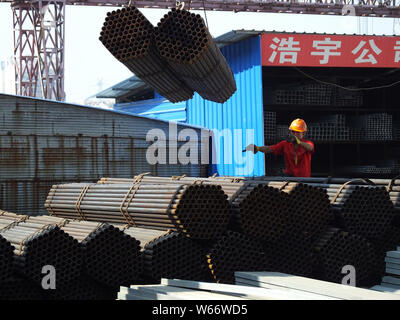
253,148
290,137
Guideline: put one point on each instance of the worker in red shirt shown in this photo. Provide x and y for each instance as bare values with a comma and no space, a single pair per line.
296,151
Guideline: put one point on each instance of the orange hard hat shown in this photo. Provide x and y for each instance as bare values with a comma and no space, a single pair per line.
298,125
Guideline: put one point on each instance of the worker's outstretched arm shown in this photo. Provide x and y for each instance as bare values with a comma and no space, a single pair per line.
255,149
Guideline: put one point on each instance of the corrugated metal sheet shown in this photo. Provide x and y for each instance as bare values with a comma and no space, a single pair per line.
160,108
47,142
243,111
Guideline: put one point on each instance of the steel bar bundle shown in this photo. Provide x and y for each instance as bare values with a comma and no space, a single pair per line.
128,35
292,254
337,249
37,244
198,211
176,256
234,252
110,256
184,41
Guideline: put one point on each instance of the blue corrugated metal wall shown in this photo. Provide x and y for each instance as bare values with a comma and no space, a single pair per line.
241,116
158,108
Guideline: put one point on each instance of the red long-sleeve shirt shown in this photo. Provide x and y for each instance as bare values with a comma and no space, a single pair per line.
303,167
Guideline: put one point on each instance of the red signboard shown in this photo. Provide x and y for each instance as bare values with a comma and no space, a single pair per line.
284,49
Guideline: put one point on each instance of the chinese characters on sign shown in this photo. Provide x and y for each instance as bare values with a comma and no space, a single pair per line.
330,50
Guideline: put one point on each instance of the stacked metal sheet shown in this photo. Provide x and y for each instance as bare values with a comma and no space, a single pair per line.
313,287
185,43
128,35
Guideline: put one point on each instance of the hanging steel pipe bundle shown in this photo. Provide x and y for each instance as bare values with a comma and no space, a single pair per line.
183,40
37,244
337,249
198,211
234,252
292,254
174,256
128,35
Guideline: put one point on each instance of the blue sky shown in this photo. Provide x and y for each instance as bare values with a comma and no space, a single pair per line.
89,67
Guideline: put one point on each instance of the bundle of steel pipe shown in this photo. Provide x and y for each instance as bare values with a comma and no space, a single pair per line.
110,256
337,249
293,254
308,207
6,260
231,186
6,249
38,244
128,35
183,40
198,211
366,211
21,288
260,211
175,256
234,252
83,288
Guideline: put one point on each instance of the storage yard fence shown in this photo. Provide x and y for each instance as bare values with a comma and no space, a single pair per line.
131,231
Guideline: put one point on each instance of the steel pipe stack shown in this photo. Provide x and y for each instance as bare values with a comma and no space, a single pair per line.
174,256
336,249
38,244
234,252
183,40
198,211
20,288
308,207
363,210
260,212
110,256
128,35
292,254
